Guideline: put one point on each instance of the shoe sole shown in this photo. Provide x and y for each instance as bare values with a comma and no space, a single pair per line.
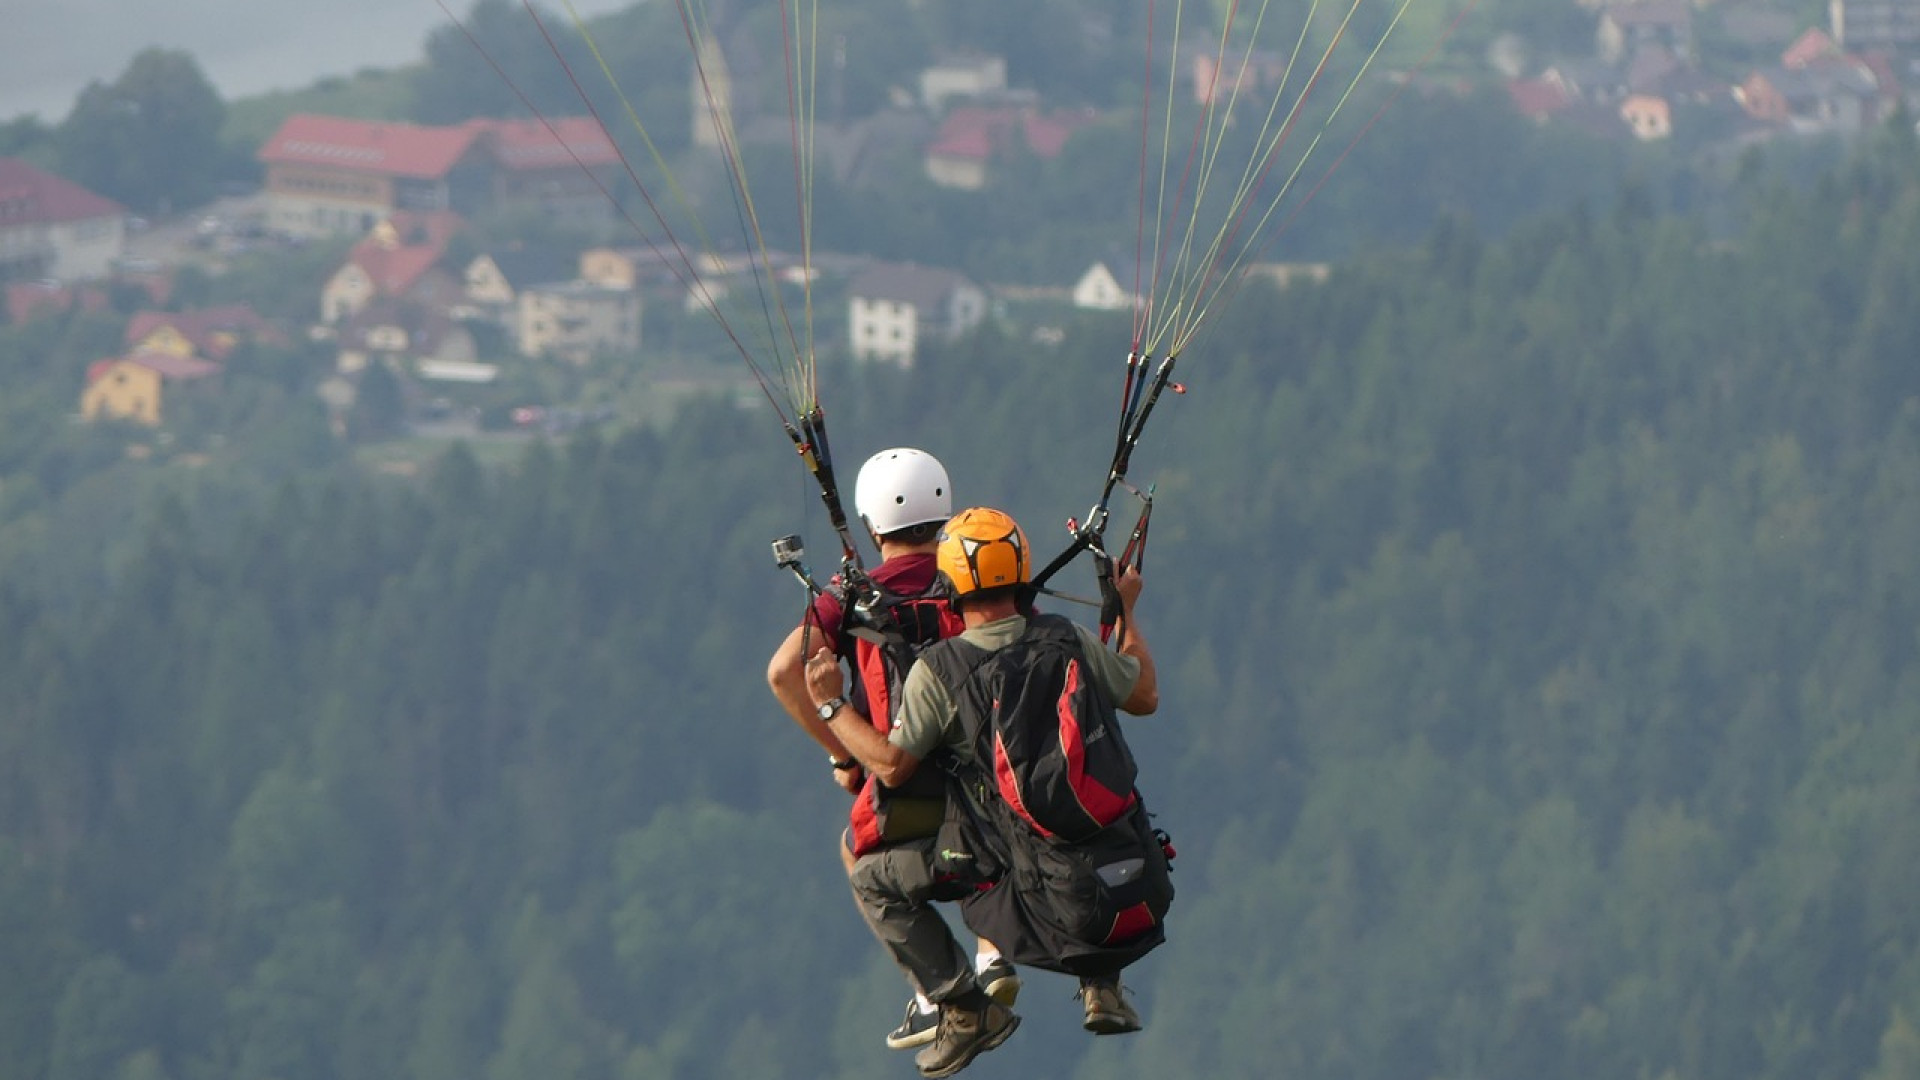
979,1048
1005,989
917,1039
1109,1024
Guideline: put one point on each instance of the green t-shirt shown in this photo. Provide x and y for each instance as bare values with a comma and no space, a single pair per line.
928,718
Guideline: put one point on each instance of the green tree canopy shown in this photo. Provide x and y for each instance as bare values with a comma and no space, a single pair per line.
151,138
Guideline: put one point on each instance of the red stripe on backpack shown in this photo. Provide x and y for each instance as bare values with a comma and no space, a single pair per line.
1100,802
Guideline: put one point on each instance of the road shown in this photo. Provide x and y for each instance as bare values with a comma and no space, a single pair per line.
201,237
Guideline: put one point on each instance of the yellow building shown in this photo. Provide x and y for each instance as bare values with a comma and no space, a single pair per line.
134,387
212,333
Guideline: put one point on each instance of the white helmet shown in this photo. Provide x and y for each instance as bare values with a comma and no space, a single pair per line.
901,487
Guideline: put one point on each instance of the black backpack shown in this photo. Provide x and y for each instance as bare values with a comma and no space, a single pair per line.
1047,813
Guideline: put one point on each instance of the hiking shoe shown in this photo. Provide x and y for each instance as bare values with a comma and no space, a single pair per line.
1108,1012
1000,981
965,1034
916,1030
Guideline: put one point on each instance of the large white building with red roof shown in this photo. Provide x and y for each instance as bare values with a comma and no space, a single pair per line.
566,166
326,174
54,228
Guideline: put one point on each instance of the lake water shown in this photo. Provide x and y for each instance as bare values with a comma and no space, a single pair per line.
52,49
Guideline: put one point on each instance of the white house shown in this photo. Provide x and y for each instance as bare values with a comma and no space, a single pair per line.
962,77
54,228
1099,290
893,307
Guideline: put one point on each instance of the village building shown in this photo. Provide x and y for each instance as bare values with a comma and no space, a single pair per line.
208,333
1647,116
961,76
327,175
404,336
46,297
973,137
52,228
400,258
1891,26
578,320
1625,30
1218,77
893,308
138,386
495,280
1099,290
1817,86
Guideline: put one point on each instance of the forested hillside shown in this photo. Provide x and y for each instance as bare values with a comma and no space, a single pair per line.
1537,626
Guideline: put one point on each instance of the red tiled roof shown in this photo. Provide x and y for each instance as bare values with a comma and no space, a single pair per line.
407,150
394,270
38,197
965,133
421,237
563,142
976,131
1811,47
146,322
29,299
204,327
426,153
1536,98
168,365
1046,135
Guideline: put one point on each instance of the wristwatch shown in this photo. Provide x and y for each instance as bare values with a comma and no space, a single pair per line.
827,709
843,766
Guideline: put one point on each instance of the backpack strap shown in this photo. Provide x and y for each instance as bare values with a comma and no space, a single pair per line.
965,669
957,663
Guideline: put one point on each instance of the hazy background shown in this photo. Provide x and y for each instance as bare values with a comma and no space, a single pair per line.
51,51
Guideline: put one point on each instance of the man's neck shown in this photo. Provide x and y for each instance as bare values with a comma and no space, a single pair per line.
895,549
983,612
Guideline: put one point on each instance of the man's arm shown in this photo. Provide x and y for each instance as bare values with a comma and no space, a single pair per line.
787,678
888,763
1145,697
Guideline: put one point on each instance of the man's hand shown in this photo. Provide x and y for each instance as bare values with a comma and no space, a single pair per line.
825,681
1127,582
1145,697
850,779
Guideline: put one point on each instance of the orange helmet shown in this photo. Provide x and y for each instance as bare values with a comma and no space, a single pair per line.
982,548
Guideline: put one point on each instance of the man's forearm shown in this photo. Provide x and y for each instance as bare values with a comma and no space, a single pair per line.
1145,697
787,678
885,761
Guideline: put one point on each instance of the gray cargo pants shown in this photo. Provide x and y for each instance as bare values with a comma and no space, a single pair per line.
895,892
